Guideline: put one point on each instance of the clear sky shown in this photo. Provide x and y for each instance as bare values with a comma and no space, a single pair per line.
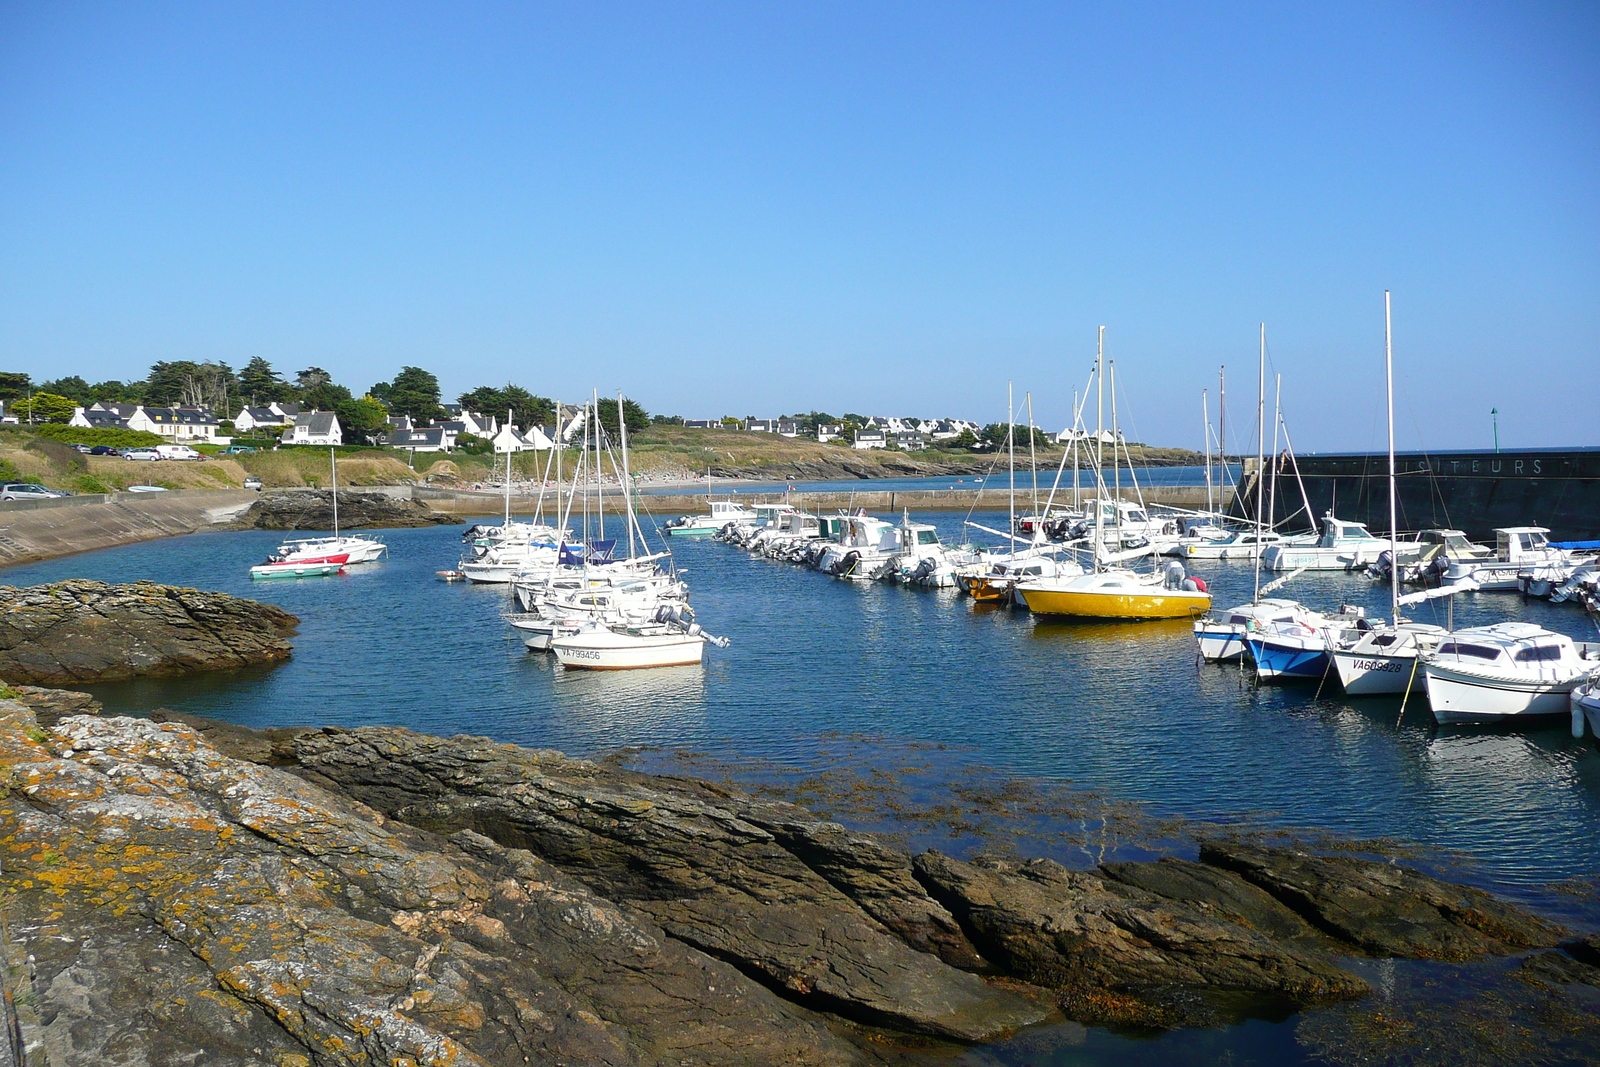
755,208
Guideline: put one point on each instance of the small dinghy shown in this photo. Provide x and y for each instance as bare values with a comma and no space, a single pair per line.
300,568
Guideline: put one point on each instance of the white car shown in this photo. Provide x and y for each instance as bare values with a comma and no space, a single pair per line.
140,453
28,491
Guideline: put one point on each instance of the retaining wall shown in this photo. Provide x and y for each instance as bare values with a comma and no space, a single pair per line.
42,529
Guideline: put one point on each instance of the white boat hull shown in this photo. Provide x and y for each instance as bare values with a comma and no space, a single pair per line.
1463,697
606,651
1364,674
1585,705
1219,642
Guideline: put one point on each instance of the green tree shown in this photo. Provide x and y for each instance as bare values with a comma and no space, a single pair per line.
72,387
185,383
413,392
115,392
14,384
666,420
325,396
311,378
638,418
526,409
44,407
361,418
260,384
964,439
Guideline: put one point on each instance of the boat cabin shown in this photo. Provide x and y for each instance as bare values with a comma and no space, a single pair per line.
867,534
1451,543
730,511
920,540
1514,543
768,515
1336,532
1512,644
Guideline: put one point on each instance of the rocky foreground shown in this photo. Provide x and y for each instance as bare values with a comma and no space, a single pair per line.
313,510
82,631
191,892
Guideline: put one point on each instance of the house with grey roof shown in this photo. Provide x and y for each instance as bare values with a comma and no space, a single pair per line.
314,428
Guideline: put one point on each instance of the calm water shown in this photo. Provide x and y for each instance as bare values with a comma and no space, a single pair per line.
999,479
1119,708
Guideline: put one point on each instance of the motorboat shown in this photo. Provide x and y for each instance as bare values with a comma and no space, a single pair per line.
866,551
354,549
1585,704
1517,549
1220,634
1511,670
1116,593
1238,544
316,567
721,513
1343,546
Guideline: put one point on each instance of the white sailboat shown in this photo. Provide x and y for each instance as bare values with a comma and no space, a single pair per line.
354,549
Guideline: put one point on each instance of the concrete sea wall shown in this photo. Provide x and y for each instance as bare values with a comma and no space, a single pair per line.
43,529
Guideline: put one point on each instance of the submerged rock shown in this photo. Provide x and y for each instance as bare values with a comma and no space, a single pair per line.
84,631
1116,952
1385,909
312,509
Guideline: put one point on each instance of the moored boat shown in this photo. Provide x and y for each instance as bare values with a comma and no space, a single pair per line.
1585,704
1511,670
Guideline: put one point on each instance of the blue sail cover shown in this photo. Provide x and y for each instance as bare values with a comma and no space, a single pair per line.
602,550
570,555
1580,546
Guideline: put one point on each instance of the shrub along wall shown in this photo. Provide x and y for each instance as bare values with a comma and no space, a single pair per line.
78,435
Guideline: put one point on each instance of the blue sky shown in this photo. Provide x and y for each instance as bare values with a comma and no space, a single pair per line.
757,208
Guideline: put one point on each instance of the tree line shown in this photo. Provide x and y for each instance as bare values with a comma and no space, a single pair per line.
413,392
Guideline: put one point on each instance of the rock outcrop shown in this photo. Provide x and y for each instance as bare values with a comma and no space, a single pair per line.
312,509
82,631
190,891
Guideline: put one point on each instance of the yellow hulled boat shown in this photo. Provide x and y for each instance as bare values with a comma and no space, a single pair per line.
1114,595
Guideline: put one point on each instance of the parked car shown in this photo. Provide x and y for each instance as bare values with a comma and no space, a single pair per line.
252,482
103,450
28,491
178,452
140,453
239,450
85,449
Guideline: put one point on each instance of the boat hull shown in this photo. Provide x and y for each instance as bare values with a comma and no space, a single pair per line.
1585,705
1282,660
1221,643
580,652
274,572
1363,674
1463,697
1090,604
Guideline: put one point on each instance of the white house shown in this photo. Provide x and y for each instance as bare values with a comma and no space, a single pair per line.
946,429
1069,435
478,424
273,415
760,425
427,439
314,428
789,427
702,424
870,439
180,424
830,431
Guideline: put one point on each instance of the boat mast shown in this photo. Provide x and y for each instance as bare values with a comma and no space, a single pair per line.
508,474
627,481
1033,460
1077,419
1116,468
1099,440
1261,447
1011,451
1277,423
1205,425
1394,549
1222,429
333,467
599,474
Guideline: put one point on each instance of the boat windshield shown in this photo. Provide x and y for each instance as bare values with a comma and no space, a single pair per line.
1461,648
1539,653
927,537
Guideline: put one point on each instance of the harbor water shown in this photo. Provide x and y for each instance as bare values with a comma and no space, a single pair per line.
825,676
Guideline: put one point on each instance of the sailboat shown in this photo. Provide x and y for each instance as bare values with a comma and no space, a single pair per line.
667,638
354,549
1109,592
510,551
1383,659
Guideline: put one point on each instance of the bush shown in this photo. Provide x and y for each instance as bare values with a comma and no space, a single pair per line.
78,435
88,483
59,455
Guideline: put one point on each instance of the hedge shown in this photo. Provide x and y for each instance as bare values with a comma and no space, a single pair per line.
79,435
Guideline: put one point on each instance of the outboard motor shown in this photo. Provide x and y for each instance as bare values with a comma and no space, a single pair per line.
1174,574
